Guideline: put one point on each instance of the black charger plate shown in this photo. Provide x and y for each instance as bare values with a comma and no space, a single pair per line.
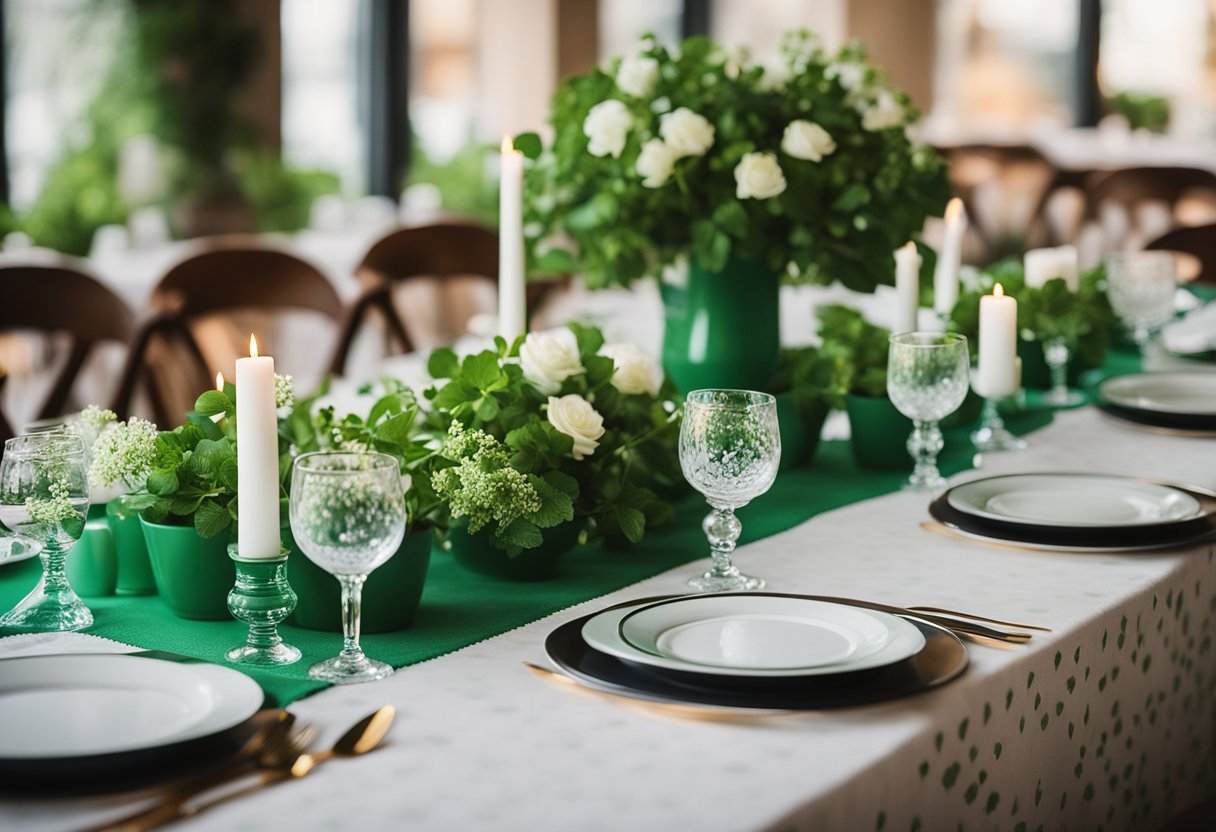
943,658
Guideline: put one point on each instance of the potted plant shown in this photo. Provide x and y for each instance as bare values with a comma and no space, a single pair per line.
734,177
555,437
392,593
809,384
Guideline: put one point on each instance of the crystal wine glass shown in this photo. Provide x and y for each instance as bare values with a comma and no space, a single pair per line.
44,496
348,517
927,377
1141,287
729,450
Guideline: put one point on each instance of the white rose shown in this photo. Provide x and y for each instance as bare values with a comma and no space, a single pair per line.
758,176
655,163
686,132
607,126
777,72
884,113
847,75
548,360
637,75
573,416
636,372
807,140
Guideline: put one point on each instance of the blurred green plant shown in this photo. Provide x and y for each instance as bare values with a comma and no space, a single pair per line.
466,181
1143,111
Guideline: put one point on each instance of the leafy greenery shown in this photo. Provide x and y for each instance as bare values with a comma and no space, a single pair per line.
1084,319
860,347
837,218
615,489
817,378
1143,111
467,188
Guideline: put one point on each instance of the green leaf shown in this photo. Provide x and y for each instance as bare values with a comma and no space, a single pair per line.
397,429
213,402
555,261
556,507
588,338
854,196
211,518
486,408
443,363
528,144
564,483
225,473
482,370
521,533
162,483
731,217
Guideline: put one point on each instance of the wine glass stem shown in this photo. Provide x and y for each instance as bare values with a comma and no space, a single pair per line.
352,602
924,445
54,578
991,417
1057,354
722,529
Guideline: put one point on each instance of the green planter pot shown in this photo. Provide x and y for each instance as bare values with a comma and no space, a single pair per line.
799,433
92,566
723,329
879,433
1035,373
475,554
134,568
968,413
193,574
390,595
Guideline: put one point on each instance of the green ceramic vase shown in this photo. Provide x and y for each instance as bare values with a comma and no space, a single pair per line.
92,565
475,554
800,432
722,329
390,595
193,574
879,433
134,568
1036,375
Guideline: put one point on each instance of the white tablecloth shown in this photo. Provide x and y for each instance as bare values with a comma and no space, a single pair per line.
1109,721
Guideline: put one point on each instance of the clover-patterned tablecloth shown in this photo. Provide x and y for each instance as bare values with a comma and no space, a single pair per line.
1108,722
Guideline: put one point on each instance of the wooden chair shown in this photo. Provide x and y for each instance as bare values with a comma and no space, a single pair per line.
1199,242
232,277
1131,192
442,252
59,299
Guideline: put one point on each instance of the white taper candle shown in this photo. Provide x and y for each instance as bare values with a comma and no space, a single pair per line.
997,375
257,458
949,258
512,306
907,287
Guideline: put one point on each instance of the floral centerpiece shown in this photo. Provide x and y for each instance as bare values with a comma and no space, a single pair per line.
561,429
798,170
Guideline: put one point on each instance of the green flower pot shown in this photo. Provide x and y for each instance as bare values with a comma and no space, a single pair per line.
968,413
475,554
799,433
390,595
1035,373
134,568
193,574
92,565
879,433
723,329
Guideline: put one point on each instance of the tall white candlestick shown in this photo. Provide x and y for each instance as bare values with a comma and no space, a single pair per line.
907,288
1067,263
257,457
512,307
949,258
997,376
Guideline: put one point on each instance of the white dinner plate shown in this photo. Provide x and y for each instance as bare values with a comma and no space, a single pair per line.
755,636
14,550
67,706
1073,500
1177,394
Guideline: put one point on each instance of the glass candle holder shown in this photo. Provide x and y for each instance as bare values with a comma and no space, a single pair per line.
261,598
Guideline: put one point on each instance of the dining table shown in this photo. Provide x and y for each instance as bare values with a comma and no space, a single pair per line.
1106,720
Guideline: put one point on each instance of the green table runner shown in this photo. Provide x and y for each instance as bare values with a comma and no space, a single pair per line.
459,608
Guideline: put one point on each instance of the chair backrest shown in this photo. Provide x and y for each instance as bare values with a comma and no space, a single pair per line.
1199,242
1130,186
60,299
441,250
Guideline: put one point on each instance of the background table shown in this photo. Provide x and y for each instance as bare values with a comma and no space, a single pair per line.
1108,722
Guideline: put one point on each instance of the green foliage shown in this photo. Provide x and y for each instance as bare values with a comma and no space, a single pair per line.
837,219
281,195
859,347
1143,111
468,187
817,378
1084,319
614,491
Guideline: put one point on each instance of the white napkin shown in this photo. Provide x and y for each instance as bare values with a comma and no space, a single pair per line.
42,644
1194,333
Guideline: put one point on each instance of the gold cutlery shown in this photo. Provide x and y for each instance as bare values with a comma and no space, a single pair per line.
953,623
362,737
974,617
702,713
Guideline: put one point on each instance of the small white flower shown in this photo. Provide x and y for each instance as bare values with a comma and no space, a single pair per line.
636,372
758,176
637,75
548,360
575,417
848,75
884,113
284,392
655,163
686,133
777,72
807,140
607,126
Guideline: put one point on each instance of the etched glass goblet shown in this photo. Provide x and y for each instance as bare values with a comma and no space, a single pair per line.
348,517
44,496
729,451
1141,287
927,378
